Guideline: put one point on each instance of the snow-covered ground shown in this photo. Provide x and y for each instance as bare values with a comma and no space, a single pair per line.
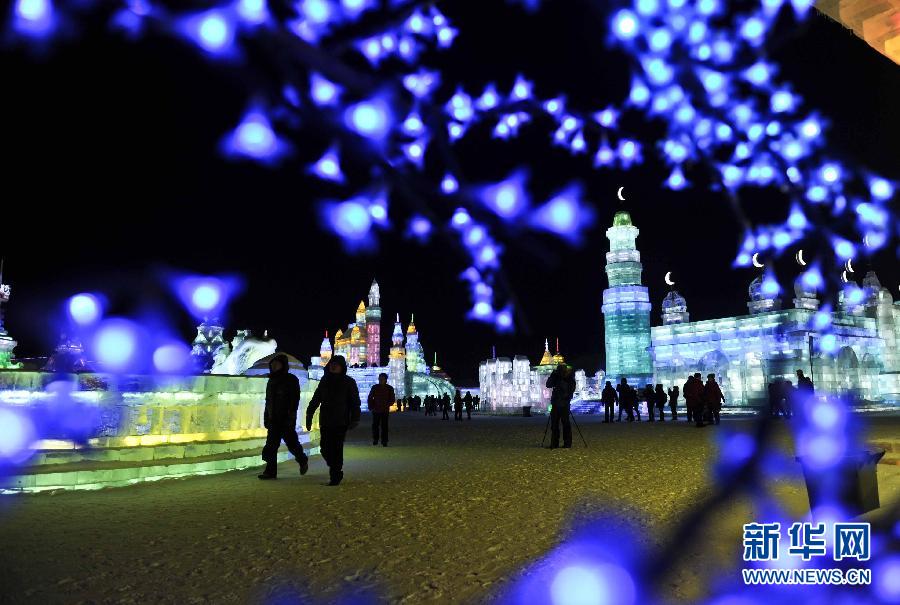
450,512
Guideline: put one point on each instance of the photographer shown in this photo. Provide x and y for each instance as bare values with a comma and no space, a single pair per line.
562,381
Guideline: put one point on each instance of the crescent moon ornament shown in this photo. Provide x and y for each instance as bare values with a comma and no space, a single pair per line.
619,194
850,265
844,277
756,262
800,260
668,278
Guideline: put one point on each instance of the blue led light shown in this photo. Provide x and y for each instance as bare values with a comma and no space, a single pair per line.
713,81
507,198
488,99
647,7
254,139
420,227
171,358
316,11
843,248
830,173
658,71
351,220
770,286
605,155
816,193
782,101
474,236
812,279
84,309
625,25
33,17
660,39
521,89
413,125
328,167
676,180
753,29
370,118
449,184
115,344
707,7
504,320
17,434
460,218
810,128
881,189
796,219
323,91
828,343
639,94
252,11
214,32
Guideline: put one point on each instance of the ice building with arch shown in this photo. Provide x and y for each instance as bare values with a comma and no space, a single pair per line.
771,341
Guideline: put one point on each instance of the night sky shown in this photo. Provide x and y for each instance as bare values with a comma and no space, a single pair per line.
112,180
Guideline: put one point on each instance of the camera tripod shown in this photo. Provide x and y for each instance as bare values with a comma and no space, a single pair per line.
577,428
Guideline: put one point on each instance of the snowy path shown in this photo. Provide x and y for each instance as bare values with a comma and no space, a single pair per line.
448,513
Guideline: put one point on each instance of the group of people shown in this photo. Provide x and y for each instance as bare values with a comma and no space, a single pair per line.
703,402
784,396
337,398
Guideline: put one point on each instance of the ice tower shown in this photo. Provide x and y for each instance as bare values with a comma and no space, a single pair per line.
373,326
626,307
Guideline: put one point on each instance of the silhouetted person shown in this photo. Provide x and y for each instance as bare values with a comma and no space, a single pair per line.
338,396
713,397
562,381
280,417
626,399
805,390
467,402
609,398
661,399
650,397
688,402
457,406
776,394
445,407
673,401
476,401
693,396
380,398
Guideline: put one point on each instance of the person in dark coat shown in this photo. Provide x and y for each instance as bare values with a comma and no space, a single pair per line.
380,397
673,401
562,381
650,397
476,401
693,395
609,398
805,389
338,396
457,406
689,404
625,399
280,417
467,403
445,407
661,399
713,397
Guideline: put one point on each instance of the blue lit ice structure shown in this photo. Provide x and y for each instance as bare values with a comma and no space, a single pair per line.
626,307
151,427
748,352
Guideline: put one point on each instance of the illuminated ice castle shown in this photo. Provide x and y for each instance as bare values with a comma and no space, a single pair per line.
626,306
360,344
747,352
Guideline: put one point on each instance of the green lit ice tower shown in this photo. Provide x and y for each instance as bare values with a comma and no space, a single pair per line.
626,307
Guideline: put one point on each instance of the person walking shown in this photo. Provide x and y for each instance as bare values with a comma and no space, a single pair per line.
609,398
457,406
380,397
467,402
445,407
673,401
713,397
562,381
338,396
280,417
622,390
661,399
